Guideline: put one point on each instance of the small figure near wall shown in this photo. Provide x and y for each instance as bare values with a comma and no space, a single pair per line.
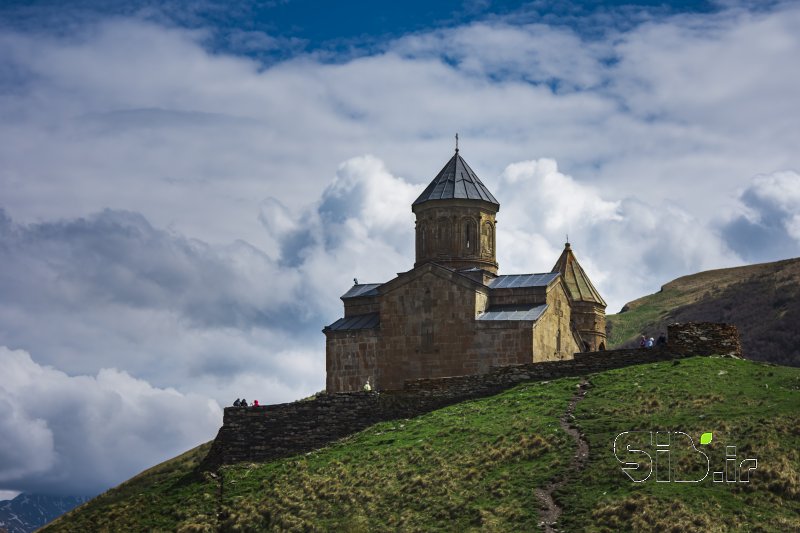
237,403
367,386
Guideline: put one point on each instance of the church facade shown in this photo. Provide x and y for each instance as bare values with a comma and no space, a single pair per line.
453,313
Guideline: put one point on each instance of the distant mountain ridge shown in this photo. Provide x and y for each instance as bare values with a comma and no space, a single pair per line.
762,300
28,512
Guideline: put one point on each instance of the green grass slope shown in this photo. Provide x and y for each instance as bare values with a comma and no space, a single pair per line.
474,466
763,301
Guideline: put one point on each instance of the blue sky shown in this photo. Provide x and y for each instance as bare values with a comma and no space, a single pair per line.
322,24
187,188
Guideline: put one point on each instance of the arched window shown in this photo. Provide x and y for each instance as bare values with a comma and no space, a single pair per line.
487,239
470,237
422,240
443,236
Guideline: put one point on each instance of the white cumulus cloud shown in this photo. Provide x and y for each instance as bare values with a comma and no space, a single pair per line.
71,434
766,224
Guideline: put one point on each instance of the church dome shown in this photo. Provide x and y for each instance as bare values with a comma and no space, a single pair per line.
455,224
456,181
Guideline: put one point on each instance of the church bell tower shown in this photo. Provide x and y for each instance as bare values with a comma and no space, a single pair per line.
456,220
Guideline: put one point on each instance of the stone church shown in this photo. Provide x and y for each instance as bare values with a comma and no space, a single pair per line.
453,314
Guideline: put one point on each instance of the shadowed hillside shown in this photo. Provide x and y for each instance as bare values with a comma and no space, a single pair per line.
477,465
763,301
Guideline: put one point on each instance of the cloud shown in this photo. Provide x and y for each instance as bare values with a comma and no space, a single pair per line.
182,312
80,434
136,116
555,200
499,51
111,289
362,224
359,226
118,258
623,243
768,226
695,68
119,294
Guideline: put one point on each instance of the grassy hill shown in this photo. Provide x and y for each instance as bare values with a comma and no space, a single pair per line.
763,301
475,465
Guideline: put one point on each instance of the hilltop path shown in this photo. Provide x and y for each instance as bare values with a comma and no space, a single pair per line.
550,510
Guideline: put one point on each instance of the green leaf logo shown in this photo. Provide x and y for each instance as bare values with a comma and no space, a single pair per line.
705,438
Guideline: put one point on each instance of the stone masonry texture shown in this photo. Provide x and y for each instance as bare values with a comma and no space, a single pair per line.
257,434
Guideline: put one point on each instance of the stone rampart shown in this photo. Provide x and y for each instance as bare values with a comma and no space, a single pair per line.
269,432
705,338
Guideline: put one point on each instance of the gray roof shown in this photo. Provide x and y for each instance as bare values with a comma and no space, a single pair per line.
366,321
456,180
362,289
514,312
514,281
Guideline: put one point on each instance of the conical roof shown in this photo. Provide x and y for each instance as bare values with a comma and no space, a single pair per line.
579,287
456,181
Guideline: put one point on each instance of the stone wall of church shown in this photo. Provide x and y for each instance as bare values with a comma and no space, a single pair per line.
427,326
361,306
456,233
429,329
517,296
590,321
552,336
497,343
272,431
351,357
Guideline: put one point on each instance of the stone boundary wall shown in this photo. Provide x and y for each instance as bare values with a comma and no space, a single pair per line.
705,338
263,433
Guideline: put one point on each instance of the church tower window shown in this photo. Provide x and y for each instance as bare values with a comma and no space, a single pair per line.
422,250
487,239
470,237
443,236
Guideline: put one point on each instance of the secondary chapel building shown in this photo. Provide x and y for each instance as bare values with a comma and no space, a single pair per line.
453,314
